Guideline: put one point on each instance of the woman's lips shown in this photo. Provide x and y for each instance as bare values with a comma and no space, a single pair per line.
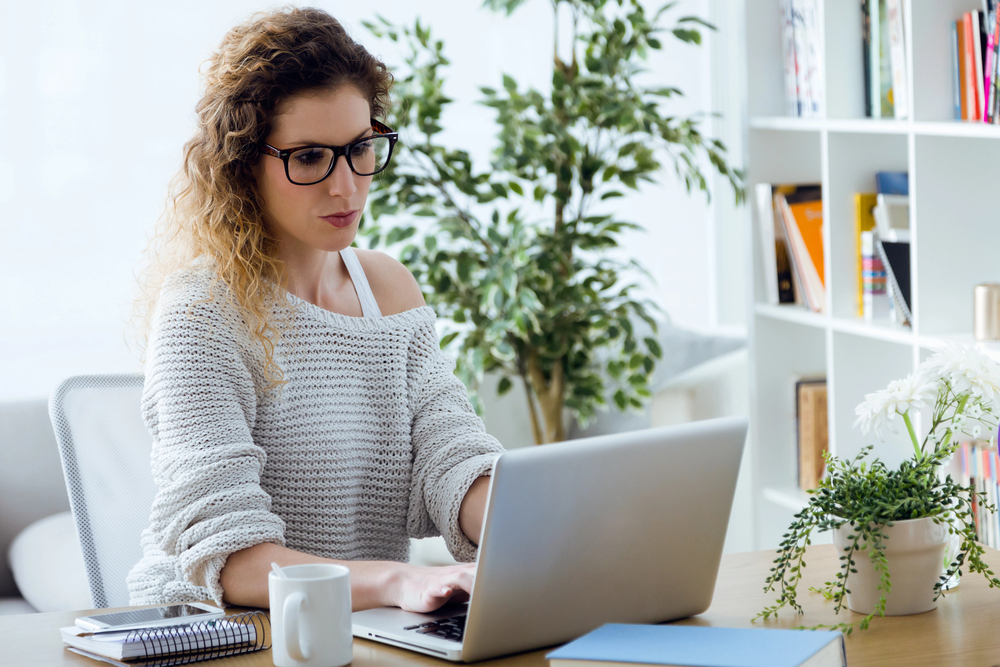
341,219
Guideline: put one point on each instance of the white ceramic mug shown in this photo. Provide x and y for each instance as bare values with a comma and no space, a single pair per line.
311,616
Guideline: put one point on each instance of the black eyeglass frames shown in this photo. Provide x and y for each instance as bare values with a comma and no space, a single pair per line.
308,165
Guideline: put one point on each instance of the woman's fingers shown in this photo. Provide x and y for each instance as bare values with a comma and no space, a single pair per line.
435,587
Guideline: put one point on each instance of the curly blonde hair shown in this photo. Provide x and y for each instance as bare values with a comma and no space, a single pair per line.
213,208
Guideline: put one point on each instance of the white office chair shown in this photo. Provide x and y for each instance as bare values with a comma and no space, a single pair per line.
105,450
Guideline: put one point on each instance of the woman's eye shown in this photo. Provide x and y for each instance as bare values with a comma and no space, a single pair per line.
361,148
308,158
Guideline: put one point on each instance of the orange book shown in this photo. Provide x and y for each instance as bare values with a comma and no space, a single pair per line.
809,219
802,213
971,90
962,82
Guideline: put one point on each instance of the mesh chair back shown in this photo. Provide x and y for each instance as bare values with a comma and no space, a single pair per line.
105,449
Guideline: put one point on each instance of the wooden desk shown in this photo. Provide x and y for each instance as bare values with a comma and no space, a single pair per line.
963,631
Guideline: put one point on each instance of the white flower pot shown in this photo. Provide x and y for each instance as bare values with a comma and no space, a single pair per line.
914,552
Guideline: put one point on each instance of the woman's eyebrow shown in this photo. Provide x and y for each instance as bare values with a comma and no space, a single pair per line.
311,142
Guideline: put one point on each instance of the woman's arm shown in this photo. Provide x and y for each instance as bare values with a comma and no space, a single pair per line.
373,583
472,513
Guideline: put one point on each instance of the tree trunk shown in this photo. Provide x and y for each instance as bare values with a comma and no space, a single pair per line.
550,398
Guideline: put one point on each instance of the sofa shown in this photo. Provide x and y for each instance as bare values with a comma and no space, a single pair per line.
41,565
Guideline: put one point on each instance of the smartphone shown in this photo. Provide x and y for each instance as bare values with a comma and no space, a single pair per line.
175,614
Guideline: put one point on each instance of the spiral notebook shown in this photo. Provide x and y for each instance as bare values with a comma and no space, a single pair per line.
174,644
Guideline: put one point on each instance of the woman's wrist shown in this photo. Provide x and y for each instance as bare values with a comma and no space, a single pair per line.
391,586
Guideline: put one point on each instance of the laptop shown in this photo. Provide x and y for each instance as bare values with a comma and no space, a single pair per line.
624,528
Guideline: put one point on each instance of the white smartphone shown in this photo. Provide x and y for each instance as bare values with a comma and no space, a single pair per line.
175,614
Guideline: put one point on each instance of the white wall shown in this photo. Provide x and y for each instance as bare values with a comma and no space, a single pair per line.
97,98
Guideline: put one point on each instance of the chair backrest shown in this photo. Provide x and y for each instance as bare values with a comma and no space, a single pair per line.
105,449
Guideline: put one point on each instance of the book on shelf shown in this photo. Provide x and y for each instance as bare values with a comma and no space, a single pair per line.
811,430
875,303
976,64
892,217
977,59
892,183
992,103
886,78
892,205
895,257
866,51
967,79
173,644
956,73
980,468
864,222
774,250
802,54
788,58
897,59
987,72
624,645
801,213
883,62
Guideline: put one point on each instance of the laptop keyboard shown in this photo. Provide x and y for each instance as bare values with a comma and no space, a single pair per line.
447,628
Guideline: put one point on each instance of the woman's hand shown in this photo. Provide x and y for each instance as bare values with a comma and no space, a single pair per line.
425,589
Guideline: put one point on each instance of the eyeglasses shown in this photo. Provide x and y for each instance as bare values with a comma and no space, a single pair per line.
308,165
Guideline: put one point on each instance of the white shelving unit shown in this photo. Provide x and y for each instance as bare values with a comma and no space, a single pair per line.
954,170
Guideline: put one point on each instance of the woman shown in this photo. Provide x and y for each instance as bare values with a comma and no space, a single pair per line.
300,405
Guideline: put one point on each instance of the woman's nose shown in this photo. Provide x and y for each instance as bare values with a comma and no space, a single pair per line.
341,180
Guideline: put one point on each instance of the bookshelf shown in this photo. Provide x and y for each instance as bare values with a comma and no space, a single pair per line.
954,172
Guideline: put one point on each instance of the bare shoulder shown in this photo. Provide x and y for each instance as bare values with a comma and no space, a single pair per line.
393,285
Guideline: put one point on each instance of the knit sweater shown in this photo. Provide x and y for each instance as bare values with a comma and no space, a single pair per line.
371,441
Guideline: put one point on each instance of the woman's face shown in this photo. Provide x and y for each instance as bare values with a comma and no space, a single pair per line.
325,215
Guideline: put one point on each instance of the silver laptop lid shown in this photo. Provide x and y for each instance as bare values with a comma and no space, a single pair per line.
625,528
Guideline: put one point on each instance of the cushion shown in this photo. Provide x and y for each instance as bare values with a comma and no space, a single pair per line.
47,563
31,477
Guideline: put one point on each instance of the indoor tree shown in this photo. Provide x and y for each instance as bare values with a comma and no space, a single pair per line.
516,255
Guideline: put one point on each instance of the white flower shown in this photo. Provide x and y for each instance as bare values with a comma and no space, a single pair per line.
969,371
964,423
880,408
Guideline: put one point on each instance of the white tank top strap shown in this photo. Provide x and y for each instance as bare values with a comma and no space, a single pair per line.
369,307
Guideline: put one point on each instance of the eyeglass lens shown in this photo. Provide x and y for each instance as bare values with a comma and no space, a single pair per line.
310,165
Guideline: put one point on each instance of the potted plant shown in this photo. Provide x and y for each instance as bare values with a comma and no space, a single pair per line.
892,528
516,256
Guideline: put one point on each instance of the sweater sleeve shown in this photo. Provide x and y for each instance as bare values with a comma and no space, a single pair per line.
451,448
199,403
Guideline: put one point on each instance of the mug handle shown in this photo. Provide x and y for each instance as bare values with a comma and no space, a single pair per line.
298,649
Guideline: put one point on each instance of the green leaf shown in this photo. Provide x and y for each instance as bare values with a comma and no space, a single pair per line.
695,19
507,6
685,35
504,386
448,338
654,347
514,281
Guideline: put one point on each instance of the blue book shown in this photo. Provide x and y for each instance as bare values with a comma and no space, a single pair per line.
695,646
956,77
892,183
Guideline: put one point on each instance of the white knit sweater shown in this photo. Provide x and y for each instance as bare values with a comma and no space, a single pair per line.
371,441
